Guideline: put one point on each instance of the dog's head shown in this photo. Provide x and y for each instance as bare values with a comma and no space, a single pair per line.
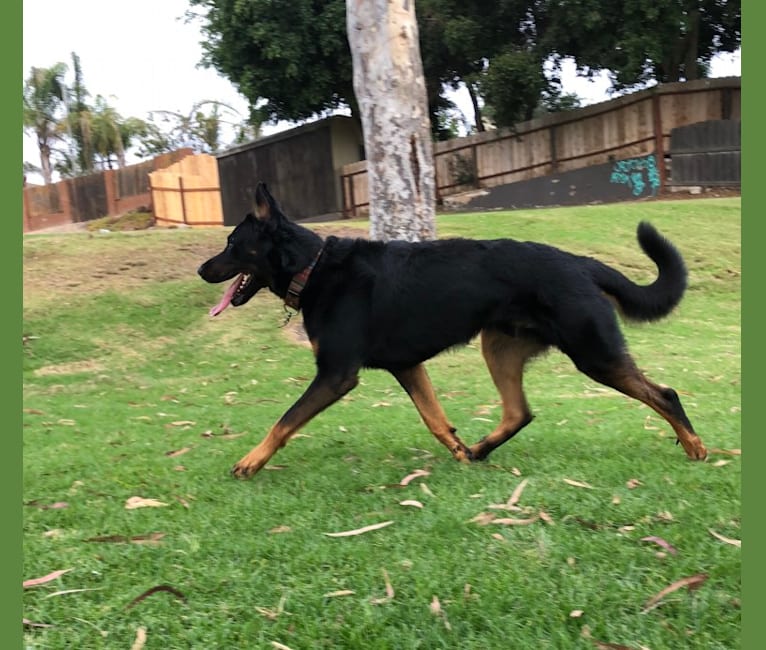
250,255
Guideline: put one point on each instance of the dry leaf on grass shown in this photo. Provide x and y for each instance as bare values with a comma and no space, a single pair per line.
34,582
509,521
389,591
64,592
154,590
660,542
280,646
483,518
515,471
177,452
576,613
411,502
139,502
338,594
730,452
721,463
280,529
59,505
426,490
28,623
436,610
140,641
151,538
581,484
692,582
633,483
516,494
273,614
546,518
360,531
727,540
183,423
616,500
601,645
410,477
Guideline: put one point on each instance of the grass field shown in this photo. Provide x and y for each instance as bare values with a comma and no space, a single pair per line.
130,390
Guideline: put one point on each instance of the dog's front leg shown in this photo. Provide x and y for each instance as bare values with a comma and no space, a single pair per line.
416,382
321,393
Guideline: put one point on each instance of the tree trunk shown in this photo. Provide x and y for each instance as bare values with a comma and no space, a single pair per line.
476,109
45,161
391,93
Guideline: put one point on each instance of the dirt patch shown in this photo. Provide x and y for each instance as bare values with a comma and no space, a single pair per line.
72,368
295,333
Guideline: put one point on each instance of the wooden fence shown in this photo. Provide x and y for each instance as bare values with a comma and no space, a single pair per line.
627,127
107,193
187,192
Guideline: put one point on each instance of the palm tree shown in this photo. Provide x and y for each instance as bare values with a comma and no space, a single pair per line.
43,97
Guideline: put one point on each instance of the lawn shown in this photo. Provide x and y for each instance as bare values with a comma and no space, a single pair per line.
565,538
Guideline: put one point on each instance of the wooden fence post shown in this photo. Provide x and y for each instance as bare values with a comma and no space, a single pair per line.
183,199
659,143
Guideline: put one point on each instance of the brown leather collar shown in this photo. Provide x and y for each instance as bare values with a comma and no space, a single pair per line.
293,295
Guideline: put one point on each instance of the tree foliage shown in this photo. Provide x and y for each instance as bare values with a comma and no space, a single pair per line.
290,58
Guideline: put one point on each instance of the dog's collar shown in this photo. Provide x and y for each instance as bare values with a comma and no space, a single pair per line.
294,289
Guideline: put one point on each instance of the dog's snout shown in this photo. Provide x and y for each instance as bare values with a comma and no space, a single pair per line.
201,270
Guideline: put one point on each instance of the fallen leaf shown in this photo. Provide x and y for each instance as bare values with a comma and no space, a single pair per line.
626,529
515,471
692,582
516,495
64,592
411,502
177,452
182,423
436,610
601,645
498,537
359,531
728,540
280,529
154,590
721,463
280,646
483,518
337,594
389,591
508,521
426,490
581,484
34,582
576,613
276,468
139,502
633,483
29,623
665,515
616,500
546,518
418,472
151,538
179,468
140,641
59,505
730,452
660,542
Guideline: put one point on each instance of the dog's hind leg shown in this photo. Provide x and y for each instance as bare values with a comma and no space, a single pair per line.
624,376
416,382
321,393
505,357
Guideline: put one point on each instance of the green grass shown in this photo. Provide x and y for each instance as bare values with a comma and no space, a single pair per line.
123,368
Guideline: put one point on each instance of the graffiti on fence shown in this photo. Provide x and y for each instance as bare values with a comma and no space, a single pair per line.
639,174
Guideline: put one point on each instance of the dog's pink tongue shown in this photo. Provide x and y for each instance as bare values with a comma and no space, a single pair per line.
226,300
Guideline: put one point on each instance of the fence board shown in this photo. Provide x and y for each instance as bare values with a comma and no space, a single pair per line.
187,192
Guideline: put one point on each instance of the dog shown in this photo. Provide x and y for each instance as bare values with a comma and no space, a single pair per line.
394,305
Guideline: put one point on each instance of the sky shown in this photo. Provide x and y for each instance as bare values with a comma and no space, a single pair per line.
142,56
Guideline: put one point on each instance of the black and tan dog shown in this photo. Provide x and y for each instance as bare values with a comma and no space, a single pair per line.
394,305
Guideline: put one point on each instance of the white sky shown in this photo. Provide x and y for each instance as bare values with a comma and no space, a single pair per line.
142,57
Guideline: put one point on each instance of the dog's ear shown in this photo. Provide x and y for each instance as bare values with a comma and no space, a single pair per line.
264,203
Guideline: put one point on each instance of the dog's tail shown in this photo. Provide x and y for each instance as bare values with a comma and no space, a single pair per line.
653,301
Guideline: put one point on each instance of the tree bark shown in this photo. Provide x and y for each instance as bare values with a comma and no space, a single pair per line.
476,109
391,94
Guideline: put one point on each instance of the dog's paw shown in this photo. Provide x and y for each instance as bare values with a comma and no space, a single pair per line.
243,471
